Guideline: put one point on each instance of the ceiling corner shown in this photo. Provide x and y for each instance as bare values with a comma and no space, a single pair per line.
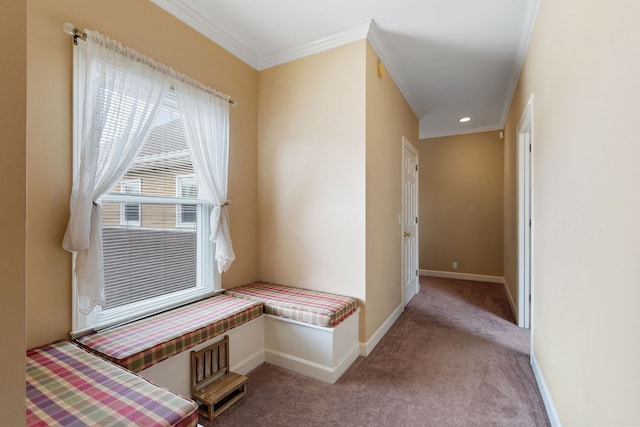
521,55
378,43
425,134
181,10
330,42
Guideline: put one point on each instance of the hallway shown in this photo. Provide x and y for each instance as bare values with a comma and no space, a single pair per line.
453,358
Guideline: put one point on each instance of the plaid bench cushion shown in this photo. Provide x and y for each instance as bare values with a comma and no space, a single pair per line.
67,386
143,343
304,305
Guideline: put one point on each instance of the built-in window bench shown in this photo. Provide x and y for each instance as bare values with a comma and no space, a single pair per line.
155,347
310,332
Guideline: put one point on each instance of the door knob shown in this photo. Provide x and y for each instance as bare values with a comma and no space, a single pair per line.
406,234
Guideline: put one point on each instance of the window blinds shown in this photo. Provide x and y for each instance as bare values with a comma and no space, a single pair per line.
165,247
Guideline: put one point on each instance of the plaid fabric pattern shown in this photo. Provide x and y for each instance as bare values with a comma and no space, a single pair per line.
305,305
143,343
66,386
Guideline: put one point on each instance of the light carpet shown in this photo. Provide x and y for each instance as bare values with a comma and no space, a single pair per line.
453,358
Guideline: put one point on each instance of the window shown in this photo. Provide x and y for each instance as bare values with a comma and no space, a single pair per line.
156,248
158,258
130,212
186,213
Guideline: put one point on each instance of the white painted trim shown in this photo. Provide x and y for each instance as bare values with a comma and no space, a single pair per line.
327,43
521,55
346,362
376,38
512,304
462,276
367,348
369,31
525,198
309,368
186,14
466,131
319,352
249,363
299,365
552,413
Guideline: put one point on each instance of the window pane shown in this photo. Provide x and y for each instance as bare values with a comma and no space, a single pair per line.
132,212
156,248
146,262
187,187
151,261
188,214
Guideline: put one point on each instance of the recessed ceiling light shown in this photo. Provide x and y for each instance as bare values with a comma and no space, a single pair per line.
464,119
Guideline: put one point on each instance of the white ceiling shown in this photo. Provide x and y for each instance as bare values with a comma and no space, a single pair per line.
450,58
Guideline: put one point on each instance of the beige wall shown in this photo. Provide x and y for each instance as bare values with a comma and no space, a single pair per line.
583,69
153,32
312,172
461,192
389,118
330,146
13,107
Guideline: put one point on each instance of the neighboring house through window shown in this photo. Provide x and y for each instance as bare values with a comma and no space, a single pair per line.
130,212
186,213
163,257
169,258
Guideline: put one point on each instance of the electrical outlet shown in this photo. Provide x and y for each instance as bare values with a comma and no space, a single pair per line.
455,265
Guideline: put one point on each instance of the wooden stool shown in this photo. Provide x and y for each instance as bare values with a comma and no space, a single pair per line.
213,386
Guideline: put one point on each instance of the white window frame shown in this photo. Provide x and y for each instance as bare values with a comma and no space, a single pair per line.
124,186
180,181
208,282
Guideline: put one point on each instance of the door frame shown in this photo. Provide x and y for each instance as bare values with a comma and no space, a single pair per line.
525,216
409,146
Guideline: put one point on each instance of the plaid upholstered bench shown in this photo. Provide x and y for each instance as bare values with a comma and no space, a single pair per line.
304,305
156,346
66,385
311,332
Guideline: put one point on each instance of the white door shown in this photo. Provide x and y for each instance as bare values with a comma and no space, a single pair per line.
411,284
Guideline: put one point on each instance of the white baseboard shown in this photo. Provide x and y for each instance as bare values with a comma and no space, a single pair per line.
462,276
312,369
554,419
514,307
250,363
346,362
367,348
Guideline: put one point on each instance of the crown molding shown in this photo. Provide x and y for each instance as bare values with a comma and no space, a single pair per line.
521,55
378,43
330,42
181,10
466,131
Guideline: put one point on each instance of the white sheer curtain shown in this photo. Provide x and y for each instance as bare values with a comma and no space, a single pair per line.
206,121
123,92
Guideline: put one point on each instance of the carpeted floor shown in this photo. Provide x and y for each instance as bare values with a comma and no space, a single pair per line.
453,358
